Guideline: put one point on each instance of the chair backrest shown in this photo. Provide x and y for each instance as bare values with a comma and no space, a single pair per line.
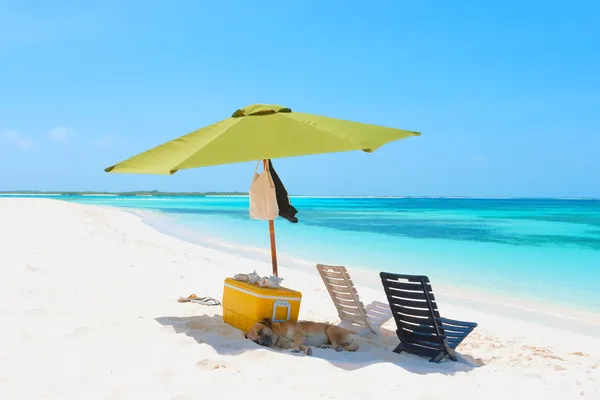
414,308
344,294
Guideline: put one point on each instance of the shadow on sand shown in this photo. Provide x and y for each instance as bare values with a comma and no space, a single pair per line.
227,340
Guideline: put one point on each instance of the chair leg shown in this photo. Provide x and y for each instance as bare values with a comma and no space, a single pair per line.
440,356
451,354
398,349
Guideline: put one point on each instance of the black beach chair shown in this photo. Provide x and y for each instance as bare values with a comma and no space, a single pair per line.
421,329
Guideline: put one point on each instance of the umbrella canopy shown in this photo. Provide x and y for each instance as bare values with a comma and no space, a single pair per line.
256,132
260,132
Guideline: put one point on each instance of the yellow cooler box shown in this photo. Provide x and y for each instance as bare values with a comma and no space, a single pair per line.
245,304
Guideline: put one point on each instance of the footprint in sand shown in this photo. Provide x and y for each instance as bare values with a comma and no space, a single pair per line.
543,352
211,364
36,311
204,326
580,354
182,397
552,357
80,330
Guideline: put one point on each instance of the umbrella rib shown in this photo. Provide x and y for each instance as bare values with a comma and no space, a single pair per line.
176,168
325,131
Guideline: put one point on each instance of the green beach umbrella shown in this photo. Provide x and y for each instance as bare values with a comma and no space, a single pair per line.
260,132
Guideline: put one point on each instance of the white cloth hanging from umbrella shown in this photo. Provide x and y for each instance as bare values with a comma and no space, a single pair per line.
263,199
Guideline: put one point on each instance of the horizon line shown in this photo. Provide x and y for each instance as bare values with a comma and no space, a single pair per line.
245,194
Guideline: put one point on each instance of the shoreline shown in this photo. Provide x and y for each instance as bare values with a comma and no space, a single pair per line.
548,313
505,303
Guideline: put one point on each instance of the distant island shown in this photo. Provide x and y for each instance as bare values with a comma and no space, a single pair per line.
133,193
205,194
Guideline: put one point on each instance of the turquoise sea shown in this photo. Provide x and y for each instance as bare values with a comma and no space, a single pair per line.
547,250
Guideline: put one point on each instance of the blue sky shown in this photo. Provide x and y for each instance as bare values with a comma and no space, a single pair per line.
506,93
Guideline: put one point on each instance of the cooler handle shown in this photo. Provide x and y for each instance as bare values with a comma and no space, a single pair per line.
281,303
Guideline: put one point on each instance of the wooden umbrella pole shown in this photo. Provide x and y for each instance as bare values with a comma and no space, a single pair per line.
272,234
273,250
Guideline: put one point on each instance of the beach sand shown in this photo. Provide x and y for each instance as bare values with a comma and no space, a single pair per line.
89,311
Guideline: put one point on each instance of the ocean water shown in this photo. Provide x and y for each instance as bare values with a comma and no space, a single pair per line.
547,250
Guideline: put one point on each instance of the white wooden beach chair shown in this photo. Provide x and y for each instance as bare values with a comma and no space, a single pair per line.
354,315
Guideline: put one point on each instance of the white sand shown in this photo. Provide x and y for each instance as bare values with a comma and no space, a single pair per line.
88,300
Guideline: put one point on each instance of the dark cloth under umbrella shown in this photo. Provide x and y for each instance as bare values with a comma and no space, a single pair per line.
286,210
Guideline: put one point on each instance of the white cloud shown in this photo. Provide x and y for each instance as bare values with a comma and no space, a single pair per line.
17,139
59,134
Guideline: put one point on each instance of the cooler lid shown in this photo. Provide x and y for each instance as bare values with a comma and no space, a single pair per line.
282,291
